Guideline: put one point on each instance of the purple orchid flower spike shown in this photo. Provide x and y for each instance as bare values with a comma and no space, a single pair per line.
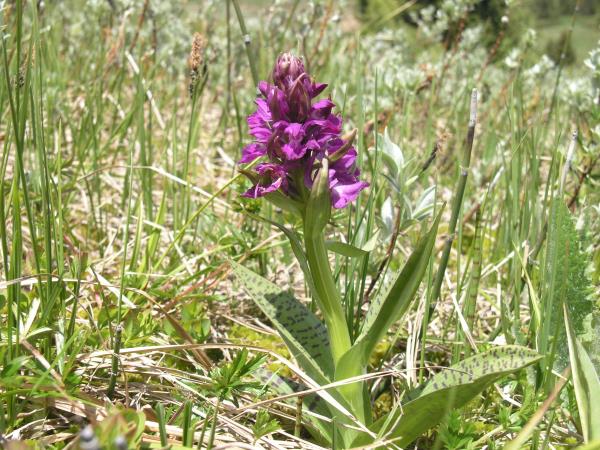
295,132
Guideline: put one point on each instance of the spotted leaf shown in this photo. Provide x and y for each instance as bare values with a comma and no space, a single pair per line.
304,334
449,389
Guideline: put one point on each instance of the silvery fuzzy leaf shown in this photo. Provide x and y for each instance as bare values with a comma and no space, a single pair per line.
387,216
392,155
425,204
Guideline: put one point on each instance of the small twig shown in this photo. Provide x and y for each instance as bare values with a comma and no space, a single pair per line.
491,55
582,176
322,30
431,157
139,25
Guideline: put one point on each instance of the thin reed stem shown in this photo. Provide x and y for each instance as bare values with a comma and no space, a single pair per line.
457,202
247,42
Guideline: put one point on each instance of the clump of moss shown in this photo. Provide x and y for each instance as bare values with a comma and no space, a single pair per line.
242,335
381,350
383,405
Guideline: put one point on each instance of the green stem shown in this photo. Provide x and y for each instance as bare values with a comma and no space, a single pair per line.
456,203
114,368
298,423
328,297
247,42
211,439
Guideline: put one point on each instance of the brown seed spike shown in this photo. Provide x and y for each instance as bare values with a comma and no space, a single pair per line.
196,60
197,53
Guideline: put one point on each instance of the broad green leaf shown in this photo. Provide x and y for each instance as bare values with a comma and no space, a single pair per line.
389,306
351,251
392,303
451,388
586,383
384,312
304,334
344,249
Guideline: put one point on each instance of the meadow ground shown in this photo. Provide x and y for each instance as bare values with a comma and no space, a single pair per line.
124,320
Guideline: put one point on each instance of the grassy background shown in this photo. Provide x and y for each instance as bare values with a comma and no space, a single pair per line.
121,208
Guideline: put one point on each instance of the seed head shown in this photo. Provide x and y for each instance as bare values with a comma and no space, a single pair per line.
196,61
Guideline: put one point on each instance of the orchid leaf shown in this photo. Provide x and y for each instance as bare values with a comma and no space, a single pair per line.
304,334
344,249
389,306
447,390
351,251
384,312
586,384
311,402
285,203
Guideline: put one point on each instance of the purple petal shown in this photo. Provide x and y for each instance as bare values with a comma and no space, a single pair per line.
322,108
293,151
261,134
252,151
346,162
263,87
316,89
343,193
263,110
273,177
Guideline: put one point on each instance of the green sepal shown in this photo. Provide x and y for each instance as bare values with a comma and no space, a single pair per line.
285,203
318,207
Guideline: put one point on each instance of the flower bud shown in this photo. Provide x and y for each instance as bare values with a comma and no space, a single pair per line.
287,70
299,101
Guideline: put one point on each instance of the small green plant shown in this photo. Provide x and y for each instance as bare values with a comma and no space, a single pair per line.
264,425
457,434
310,169
229,383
